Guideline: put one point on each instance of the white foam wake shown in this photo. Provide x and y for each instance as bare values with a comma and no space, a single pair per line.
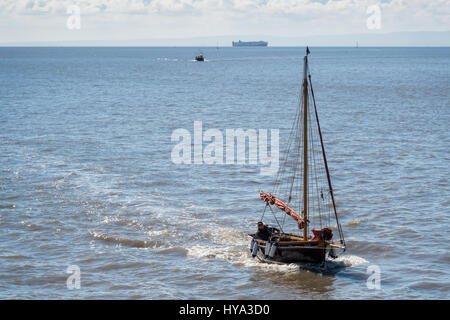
237,255
350,260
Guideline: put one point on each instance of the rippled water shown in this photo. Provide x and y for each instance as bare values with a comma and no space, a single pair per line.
86,177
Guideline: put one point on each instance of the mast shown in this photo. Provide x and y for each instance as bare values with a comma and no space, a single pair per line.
305,146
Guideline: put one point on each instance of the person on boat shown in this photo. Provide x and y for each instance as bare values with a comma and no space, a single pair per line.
264,232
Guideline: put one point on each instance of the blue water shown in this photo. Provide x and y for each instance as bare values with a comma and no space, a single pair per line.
86,176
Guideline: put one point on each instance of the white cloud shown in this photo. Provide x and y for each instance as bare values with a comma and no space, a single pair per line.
130,19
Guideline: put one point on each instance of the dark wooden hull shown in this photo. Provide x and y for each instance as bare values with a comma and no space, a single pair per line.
293,255
297,251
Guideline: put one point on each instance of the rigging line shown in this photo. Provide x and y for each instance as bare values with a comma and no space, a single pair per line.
286,157
315,175
292,183
322,177
326,166
289,191
265,207
296,159
310,165
282,172
274,215
292,160
311,170
301,148
319,182
284,219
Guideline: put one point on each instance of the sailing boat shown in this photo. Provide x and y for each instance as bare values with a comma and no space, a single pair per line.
302,182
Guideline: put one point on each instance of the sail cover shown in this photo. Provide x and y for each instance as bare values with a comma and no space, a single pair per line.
271,199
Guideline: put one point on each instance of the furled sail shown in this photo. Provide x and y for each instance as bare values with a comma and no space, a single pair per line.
271,199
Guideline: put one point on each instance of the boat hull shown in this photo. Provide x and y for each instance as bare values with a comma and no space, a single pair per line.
297,251
290,255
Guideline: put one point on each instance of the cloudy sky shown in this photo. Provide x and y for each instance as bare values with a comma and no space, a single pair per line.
46,20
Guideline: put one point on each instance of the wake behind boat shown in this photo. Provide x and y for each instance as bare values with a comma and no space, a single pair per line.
304,182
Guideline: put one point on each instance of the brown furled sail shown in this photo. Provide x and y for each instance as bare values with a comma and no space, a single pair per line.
271,199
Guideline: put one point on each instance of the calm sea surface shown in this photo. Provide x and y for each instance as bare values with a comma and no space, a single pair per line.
86,176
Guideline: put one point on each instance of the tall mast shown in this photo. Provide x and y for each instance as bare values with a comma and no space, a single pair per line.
305,146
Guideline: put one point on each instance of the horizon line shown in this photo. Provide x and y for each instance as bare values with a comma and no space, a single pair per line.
211,46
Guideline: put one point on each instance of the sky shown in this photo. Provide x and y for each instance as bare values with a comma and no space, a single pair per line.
47,20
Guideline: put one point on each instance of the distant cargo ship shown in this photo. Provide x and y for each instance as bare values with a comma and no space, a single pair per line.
250,43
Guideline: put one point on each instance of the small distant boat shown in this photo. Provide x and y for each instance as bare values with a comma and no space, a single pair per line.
304,183
200,58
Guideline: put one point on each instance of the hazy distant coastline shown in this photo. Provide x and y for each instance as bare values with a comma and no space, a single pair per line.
396,39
